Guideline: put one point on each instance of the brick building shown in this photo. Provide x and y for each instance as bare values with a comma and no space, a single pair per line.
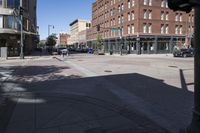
63,39
147,26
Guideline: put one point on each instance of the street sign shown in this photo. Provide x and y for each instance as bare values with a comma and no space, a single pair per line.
115,29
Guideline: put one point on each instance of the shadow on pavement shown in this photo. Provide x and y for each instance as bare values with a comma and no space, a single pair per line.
124,103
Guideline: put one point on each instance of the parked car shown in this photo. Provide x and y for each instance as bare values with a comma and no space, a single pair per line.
183,52
90,51
59,50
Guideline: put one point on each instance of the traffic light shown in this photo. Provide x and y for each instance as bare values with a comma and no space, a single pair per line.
182,5
21,10
98,27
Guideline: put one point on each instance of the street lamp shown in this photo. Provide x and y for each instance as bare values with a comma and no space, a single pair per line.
21,40
49,26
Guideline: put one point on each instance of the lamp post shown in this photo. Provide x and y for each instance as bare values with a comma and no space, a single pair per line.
49,30
21,40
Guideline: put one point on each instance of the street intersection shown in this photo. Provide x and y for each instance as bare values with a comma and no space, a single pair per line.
97,94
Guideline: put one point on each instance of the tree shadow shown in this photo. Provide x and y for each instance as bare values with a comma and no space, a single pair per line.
116,103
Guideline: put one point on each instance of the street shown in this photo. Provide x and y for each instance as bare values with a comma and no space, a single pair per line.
97,94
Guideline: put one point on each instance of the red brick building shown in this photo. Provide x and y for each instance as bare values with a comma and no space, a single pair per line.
148,26
63,39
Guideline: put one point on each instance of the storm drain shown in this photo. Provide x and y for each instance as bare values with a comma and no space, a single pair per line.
173,66
108,71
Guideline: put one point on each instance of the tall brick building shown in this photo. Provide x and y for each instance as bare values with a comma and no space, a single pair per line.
148,26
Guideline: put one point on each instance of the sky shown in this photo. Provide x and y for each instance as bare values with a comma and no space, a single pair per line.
61,13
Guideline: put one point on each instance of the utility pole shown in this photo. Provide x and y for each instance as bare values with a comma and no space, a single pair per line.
195,125
49,26
22,39
187,5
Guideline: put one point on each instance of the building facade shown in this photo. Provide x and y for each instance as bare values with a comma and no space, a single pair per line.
63,39
10,27
77,28
140,26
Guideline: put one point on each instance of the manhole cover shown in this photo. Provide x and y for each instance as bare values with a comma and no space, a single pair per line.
108,71
173,66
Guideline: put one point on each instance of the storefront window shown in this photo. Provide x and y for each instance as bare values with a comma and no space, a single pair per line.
13,4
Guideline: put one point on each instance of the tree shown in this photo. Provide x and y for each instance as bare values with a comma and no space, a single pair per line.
99,42
51,40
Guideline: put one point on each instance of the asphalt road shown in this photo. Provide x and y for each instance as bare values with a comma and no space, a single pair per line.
87,93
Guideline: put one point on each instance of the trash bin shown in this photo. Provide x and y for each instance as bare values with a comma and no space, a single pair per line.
111,52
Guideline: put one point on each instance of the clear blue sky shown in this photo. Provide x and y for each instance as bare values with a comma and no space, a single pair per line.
61,13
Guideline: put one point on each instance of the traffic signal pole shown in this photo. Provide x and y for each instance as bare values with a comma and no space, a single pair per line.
195,125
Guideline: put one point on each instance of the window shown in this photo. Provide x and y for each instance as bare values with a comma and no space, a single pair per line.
176,18
144,28
145,2
162,15
1,21
1,3
133,3
13,4
129,4
167,16
122,30
133,16
145,14
129,29
150,14
133,28
119,20
129,16
181,17
150,2
167,29
122,7
176,29
162,29
122,19
181,30
119,8
166,4
150,28
163,3
10,22
189,18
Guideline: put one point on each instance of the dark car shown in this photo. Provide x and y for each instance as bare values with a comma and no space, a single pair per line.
91,51
183,52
